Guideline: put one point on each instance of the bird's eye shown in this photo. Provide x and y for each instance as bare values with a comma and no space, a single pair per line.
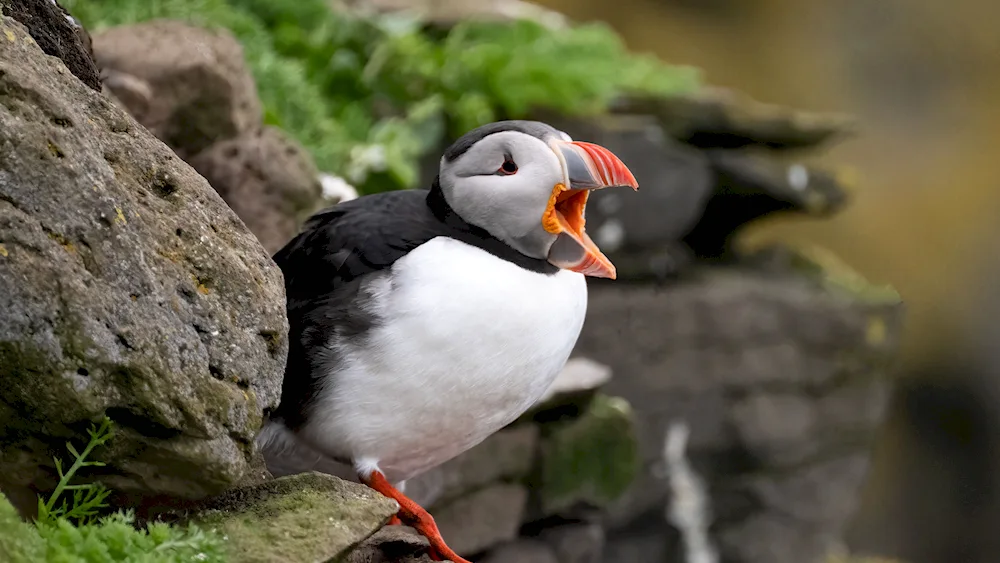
508,167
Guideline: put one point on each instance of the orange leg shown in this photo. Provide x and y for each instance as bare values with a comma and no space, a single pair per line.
394,521
411,513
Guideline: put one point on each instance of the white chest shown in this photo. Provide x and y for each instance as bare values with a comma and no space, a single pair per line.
466,344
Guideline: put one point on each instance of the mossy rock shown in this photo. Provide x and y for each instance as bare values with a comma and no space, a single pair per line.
130,290
590,460
308,517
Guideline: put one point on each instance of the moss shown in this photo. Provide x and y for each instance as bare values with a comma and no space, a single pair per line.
308,517
590,459
834,274
19,541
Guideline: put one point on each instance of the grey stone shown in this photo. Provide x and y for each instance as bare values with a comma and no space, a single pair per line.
507,456
751,185
391,544
771,538
799,185
522,551
575,384
824,494
783,429
721,349
716,117
188,85
129,289
58,34
576,543
268,179
639,549
307,517
481,520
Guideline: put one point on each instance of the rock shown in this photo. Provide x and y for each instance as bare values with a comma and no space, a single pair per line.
522,551
58,34
575,384
483,519
199,88
627,548
771,538
307,517
843,558
129,289
391,544
588,460
721,118
641,231
822,494
576,543
782,428
775,372
506,456
268,179
750,186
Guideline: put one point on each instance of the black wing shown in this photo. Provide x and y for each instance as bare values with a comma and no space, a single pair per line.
354,238
324,267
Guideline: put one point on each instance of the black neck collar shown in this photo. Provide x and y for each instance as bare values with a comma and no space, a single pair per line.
468,233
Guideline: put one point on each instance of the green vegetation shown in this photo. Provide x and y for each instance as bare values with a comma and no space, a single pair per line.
70,530
368,96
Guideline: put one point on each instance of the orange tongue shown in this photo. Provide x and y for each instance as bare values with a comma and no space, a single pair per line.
574,250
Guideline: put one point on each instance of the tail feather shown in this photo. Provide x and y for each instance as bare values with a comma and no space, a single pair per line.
284,454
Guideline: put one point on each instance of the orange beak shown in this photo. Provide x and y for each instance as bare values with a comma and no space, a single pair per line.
586,167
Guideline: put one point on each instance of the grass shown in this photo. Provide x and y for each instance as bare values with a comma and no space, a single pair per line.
74,524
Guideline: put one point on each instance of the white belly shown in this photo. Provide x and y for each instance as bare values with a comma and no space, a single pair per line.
467,343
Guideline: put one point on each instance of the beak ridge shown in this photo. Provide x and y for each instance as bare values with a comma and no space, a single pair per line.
604,169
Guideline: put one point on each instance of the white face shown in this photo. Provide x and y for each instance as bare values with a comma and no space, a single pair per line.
527,184
503,184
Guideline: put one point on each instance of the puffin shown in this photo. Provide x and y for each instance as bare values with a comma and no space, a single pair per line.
421,321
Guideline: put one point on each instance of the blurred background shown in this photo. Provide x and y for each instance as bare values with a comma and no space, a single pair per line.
923,79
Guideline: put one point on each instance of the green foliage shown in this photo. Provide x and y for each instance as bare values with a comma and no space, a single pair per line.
368,96
115,538
71,531
88,498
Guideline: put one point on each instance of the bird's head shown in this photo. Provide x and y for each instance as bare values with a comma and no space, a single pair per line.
527,183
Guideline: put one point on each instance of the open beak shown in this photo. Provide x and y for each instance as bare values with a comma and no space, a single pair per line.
586,167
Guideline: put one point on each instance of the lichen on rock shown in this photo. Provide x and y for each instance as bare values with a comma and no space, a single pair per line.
306,517
129,289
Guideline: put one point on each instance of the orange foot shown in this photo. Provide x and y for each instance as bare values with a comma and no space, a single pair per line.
411,513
